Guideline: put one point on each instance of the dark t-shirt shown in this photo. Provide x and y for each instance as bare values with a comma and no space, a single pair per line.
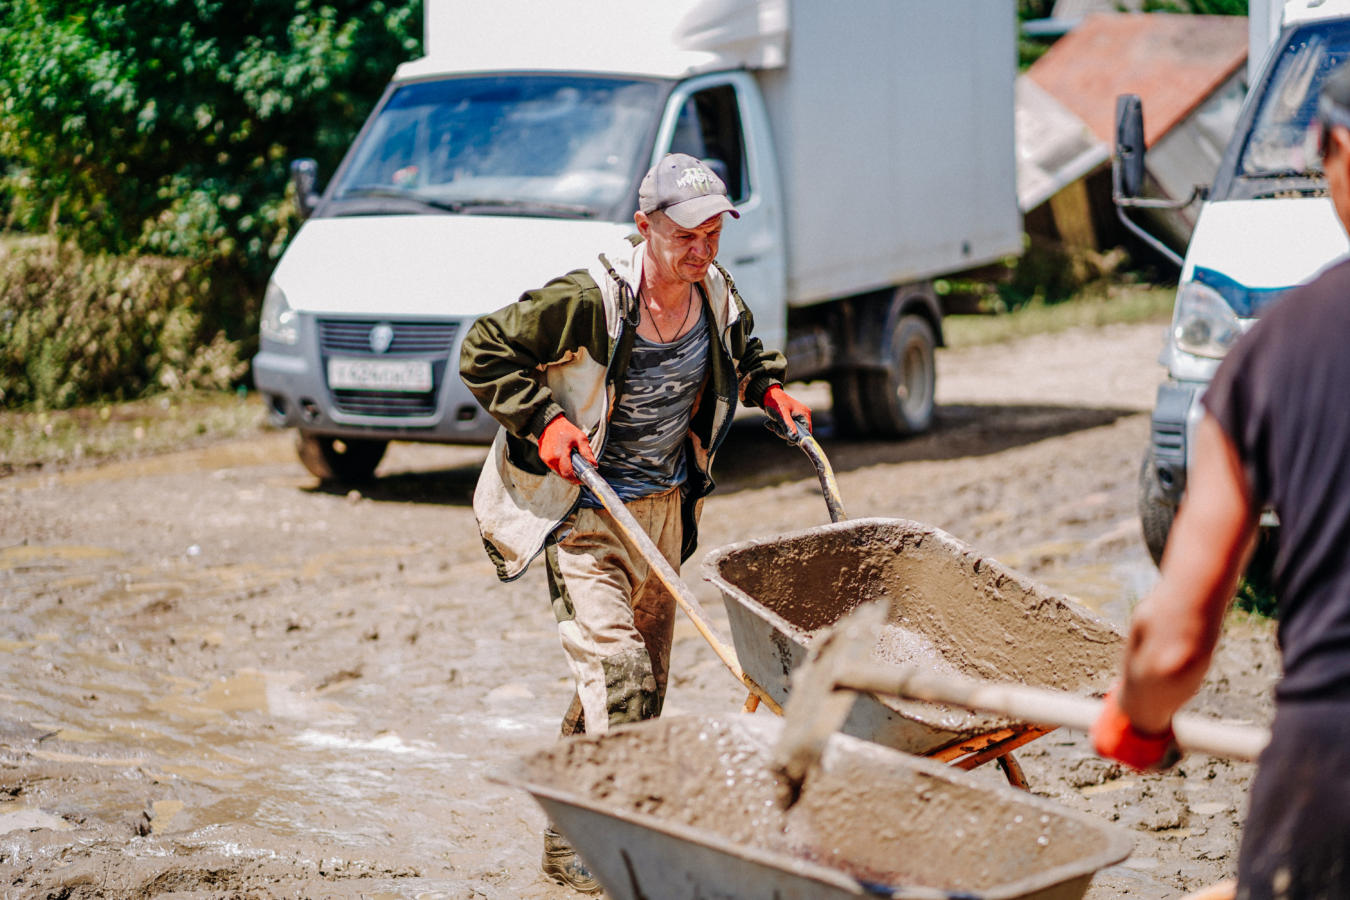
1283,396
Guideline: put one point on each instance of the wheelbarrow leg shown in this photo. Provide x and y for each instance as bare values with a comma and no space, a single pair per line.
1012,770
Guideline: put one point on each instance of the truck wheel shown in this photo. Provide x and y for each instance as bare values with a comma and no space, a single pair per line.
1156,512
339,459
899,401
846,404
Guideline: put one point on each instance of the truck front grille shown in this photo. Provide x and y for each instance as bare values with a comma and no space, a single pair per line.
350,339
1169,441
384,403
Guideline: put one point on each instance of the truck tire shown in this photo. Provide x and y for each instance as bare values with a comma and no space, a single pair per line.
846,405
339,459
899,401
1156,512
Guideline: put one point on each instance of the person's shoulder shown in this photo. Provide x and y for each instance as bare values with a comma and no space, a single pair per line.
567,289
1324,299
1333,281
580,280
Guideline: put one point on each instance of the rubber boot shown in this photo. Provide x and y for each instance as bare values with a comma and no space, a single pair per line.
562,865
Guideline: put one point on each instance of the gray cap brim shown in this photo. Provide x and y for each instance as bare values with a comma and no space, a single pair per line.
694,212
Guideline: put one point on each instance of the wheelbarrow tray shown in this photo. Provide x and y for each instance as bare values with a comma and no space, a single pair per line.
951,610
683,807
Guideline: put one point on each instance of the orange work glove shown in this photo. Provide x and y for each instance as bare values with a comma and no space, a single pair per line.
556,443
780,403
1115,737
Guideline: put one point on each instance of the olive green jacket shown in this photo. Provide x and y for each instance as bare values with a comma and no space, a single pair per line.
563,349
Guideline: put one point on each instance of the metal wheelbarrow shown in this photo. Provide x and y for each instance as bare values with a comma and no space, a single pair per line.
683,807
952,611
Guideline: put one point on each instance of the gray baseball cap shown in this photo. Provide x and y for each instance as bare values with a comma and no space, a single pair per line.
685,189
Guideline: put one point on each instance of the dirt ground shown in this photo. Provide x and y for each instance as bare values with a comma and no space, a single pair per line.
221,679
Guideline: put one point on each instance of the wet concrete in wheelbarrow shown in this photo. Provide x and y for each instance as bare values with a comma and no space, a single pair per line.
951,611
875,815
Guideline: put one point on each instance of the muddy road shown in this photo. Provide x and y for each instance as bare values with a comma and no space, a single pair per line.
221,679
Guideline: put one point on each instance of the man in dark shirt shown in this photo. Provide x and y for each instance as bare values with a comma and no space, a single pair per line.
1276,432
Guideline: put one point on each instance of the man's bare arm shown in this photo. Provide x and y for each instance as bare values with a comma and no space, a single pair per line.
1176,627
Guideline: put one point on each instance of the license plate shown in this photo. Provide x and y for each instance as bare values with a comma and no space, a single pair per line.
412,375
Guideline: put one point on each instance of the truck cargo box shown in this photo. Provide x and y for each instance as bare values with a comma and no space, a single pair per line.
894,124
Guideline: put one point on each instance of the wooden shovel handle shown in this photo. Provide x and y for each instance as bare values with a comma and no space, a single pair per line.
669,577
1041,706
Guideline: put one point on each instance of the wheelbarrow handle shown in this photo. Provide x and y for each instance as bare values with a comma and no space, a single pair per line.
669,577
1040,705
797,434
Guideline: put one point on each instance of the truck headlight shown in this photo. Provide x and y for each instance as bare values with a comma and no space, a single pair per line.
279,323
1204,325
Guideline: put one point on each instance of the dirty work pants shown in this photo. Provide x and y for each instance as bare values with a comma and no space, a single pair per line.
615,617
1296,840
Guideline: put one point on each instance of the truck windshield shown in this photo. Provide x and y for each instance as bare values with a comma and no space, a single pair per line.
1282,141
536,145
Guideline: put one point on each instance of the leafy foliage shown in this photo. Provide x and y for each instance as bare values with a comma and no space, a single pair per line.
77,327
165,126
1256,589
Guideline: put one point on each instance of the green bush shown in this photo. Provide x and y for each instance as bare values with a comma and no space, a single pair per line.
75,328
1256,589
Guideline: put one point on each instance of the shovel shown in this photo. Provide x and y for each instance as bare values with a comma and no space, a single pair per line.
839,666
669,577
799,436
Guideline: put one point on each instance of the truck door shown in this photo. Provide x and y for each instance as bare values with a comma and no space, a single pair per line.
706,118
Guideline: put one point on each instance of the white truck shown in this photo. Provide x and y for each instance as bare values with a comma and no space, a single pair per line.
1266,225
868,148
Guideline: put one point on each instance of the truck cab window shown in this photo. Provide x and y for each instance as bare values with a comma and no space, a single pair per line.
709,128
530,144
1281,141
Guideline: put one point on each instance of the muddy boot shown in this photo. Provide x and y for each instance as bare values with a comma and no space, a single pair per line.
561,864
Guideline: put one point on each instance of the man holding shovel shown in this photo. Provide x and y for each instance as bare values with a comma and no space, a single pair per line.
1276,433
635,362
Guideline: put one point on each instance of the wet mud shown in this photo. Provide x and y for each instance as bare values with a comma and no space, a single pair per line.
221,679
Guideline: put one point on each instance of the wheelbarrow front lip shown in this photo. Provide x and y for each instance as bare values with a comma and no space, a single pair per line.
698,836
1116,843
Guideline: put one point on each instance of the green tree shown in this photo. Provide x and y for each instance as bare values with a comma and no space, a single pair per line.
165,126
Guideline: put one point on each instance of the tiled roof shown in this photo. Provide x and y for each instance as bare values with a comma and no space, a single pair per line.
1173,62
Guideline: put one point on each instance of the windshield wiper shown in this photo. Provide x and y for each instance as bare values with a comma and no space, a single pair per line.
524,207
1287,182
477,205
384,193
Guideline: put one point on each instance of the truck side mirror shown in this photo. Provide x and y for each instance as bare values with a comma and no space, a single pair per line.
1127,164
304,176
